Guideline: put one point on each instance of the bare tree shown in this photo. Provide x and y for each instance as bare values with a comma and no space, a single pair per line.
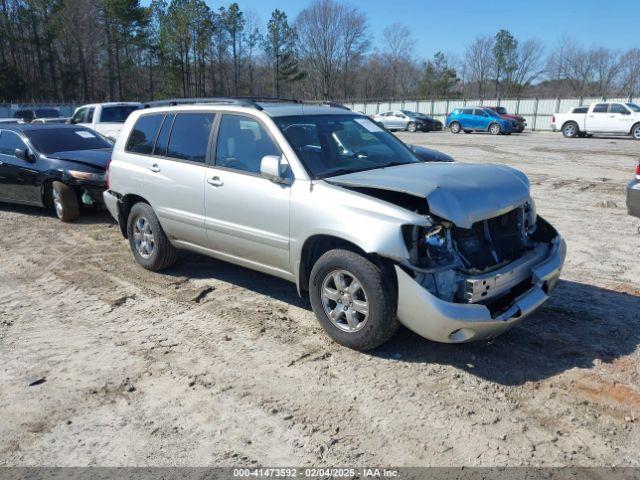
630,73
478,61
399,44
529,65
328,33
607,65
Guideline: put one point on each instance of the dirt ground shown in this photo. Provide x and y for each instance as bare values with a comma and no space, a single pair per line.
103,363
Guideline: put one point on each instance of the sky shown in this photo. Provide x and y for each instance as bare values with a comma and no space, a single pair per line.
450,25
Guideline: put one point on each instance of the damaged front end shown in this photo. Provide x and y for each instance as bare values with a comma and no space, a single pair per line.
476,282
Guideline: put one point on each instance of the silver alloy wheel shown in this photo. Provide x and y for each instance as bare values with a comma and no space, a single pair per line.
455,127
636,132
494,129
57,203
570,130
344,300
143,237
411,127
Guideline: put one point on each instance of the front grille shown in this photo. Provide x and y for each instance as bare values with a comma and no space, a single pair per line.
491,242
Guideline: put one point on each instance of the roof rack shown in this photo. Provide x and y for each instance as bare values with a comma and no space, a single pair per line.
240,101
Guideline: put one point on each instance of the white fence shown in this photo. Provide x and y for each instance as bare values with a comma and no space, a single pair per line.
537,111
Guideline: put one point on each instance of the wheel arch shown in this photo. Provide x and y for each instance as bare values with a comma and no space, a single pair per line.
317,245
125,204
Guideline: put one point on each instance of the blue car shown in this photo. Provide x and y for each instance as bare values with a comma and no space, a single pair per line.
478,119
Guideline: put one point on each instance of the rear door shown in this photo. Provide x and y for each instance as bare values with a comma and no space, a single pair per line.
18,178
598,120
247,214
174,180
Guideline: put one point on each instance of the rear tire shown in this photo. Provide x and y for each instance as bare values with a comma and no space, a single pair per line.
570,130
494,129
149,244
343,285
455,127
65,202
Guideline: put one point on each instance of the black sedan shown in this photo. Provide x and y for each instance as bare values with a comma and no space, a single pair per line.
54,166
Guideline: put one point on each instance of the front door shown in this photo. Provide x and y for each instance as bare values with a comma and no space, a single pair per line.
620,119
247,215
18,177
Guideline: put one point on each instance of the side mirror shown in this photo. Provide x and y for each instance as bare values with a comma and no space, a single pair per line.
272,168
23,154
626,112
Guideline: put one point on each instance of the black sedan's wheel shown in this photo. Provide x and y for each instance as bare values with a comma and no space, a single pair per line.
494,129
570,130
353,300
149,244
65,202
411,127
455,127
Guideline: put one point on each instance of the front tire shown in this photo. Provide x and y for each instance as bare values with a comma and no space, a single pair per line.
411,127
635,132
570,130
65,202
455,127
149,244
353,300
494,129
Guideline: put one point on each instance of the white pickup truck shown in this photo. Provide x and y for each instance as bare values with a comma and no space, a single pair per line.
609,118
105,118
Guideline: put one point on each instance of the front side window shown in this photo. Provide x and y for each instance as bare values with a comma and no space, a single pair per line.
143,135
601,108
467,111
329,145
618,108
9,142
66,139
242,143
190,136
117,114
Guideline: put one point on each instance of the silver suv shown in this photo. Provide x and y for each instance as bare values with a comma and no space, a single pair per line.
323,197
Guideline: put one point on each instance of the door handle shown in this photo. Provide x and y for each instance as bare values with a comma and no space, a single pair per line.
154,168
215,181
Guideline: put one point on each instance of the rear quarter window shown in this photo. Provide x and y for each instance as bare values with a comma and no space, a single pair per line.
144,133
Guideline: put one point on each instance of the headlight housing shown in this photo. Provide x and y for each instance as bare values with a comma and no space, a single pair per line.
429,247
78,175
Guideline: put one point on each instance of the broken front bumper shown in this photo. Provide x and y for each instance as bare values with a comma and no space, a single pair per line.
442,321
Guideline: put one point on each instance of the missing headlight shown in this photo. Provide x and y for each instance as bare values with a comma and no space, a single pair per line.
429,247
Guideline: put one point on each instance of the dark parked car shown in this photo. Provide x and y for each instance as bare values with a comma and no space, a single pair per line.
521,122
633,195
53,166
30,114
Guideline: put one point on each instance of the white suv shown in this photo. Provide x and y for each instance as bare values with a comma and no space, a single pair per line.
325,198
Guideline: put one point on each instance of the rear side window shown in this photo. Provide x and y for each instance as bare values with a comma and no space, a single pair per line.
117,114
242,142
190,136
480,113
162,142
144,134
601,108
581,110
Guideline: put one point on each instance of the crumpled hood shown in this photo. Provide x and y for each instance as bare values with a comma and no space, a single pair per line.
94,158
462,193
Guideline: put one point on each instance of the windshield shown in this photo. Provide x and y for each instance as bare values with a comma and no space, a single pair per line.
47,113
633,107
51,140
501,110
117,114
330,145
